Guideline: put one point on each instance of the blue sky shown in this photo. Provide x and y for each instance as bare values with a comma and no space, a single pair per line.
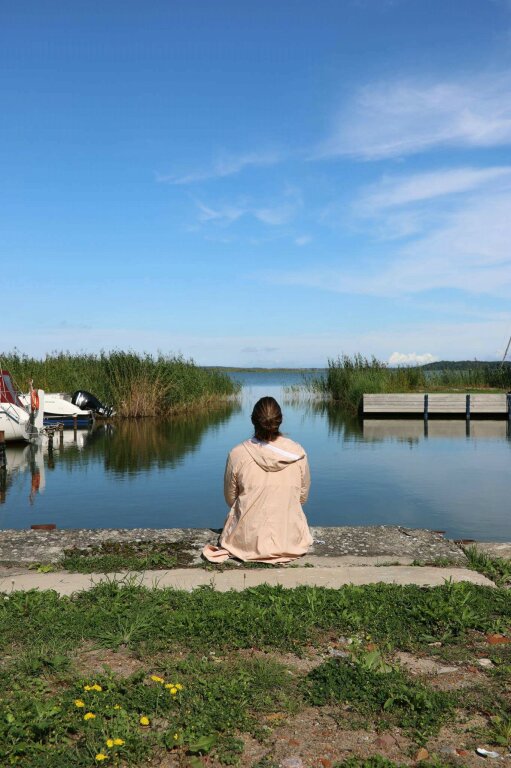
257,183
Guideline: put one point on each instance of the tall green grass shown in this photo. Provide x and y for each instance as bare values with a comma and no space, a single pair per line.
348,378
135,384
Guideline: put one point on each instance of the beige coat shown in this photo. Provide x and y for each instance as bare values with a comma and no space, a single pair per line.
265,485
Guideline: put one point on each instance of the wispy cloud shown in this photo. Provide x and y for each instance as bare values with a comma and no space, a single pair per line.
303,240
403,190
227,165
468,250
274,214
399,118
224,214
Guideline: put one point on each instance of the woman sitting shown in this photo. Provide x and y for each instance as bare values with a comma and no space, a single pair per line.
266,482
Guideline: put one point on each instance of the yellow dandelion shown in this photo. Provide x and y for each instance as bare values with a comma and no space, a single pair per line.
176,736
173,691
87,687
89,716
118,742
144,720
96,687
179,686
157,679
101,756
169,685
109,743
79,703
117,706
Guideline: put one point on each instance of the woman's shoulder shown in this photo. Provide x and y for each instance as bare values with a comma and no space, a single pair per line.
238,453
287,444
241,452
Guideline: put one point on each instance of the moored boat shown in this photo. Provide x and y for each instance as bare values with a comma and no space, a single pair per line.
17,420
59,409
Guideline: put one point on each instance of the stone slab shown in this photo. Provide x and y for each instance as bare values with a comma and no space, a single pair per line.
379,543
238,579
494,548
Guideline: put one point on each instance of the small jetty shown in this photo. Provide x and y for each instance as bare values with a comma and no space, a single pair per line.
438,405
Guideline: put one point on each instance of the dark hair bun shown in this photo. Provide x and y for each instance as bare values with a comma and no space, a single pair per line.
267,418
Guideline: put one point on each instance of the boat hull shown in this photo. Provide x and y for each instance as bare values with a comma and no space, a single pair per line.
16,424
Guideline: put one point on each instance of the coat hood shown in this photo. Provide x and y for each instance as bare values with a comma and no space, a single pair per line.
272,457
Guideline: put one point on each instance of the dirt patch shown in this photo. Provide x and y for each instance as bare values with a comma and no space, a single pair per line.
299,665
441,677
122,662
318,738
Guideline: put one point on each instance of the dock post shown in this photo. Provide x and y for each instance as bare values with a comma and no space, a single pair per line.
3,468
426,407
508,397
50,433
467,408
3,456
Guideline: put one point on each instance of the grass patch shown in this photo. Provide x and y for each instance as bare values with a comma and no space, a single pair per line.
195,706
113,614
111,556
498,569
135,384
208,643
390,695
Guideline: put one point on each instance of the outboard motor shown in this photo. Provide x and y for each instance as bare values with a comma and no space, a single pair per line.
88,402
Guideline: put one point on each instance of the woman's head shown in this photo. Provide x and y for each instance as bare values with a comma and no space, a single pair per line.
267,418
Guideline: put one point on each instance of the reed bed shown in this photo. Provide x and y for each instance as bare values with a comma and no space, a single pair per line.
349,377
136,385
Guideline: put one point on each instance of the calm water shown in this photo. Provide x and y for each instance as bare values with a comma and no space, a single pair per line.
149,474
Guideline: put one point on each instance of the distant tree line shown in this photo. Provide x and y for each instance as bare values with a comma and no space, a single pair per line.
462,365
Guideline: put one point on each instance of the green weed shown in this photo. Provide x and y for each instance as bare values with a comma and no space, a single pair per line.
264,617
498,569
390,694
111,556
195,706
500,731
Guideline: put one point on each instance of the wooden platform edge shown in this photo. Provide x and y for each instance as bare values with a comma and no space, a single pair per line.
427,404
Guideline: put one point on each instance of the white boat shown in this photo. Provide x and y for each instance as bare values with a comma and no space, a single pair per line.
19,421
58,408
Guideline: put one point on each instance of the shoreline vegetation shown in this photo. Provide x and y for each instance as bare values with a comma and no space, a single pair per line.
348,378
346,678
141,385
136,385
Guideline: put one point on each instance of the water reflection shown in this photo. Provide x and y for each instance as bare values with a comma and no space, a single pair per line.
123,448
141,445
414,430
169,474
36,460
341,424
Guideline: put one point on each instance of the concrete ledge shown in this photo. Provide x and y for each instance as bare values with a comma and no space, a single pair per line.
377,544
494,548
238,579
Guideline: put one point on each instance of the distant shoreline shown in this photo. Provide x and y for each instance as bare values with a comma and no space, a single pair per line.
233,369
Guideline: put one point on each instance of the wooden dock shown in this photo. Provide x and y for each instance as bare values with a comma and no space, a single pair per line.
438,405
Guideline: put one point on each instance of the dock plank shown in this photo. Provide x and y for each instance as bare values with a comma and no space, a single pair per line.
438,403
